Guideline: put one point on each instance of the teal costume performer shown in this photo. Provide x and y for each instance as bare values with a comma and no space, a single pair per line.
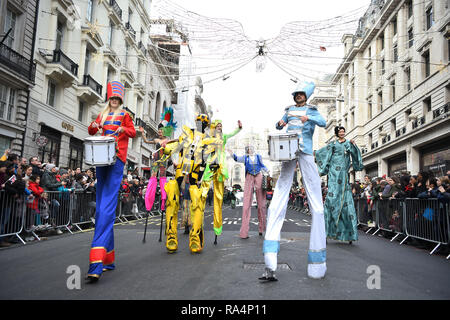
335,160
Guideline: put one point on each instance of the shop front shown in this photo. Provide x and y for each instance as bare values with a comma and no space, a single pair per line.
372,170
435,157
397,165
50,145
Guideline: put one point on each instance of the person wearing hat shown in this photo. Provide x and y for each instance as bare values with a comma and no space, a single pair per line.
254,167
301,118
189,157
116,122
217,171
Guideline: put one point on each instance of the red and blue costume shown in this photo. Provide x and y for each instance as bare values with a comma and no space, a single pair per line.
102,254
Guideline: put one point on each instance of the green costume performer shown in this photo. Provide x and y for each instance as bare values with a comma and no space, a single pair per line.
217,171
335,160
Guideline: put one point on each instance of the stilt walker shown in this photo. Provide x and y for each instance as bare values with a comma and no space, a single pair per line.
165,130
189,156
115,122
217,171
301,118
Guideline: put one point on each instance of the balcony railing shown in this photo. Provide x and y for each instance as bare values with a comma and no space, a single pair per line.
91,83
399,132
116,8
374,145
61,58
418,122
131,30
17,62
140,123
441,111
386,139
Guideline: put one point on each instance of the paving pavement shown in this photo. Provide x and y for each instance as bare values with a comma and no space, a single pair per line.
226,271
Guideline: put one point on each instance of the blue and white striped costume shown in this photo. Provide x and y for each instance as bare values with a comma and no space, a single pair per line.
312,184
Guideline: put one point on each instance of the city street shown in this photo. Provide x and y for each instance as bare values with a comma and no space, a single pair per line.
226,271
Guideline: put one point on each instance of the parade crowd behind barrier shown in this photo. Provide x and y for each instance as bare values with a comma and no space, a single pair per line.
405,207
41,199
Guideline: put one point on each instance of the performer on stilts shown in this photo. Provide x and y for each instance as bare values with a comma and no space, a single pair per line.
165,130
302,119
335,160
217,171
116,122
254,167
189,156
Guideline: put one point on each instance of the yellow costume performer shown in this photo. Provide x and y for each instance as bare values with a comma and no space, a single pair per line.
189,156
217,171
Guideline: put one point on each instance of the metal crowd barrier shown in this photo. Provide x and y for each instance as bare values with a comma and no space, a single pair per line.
12,211
83,212
296,203
61,204
425,219
128,208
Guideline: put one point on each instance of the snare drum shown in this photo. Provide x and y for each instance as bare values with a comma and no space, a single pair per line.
100,151
283,146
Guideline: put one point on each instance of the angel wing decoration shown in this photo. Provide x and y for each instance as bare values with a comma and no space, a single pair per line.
302,48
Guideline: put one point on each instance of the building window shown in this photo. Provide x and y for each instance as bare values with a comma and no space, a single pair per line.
5,143
410,8
10,22
81,111
407,114
393,90
369,79
382,41
110,33
393,126
51,93
59,36
410,38
370,53
90,9
408,78
426,63
369,110
426,105
86,62
353,120
395,53
448,50
50,152
76,154
430,19
127,48
382,66
394,26
380,100
7,102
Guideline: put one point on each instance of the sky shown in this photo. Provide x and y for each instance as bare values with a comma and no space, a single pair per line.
259,98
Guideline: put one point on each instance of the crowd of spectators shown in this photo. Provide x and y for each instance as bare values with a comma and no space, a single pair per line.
37,183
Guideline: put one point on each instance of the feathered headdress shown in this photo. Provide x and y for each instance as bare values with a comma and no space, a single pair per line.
168,126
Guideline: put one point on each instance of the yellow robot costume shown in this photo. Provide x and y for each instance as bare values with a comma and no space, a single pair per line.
189,154
217,171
